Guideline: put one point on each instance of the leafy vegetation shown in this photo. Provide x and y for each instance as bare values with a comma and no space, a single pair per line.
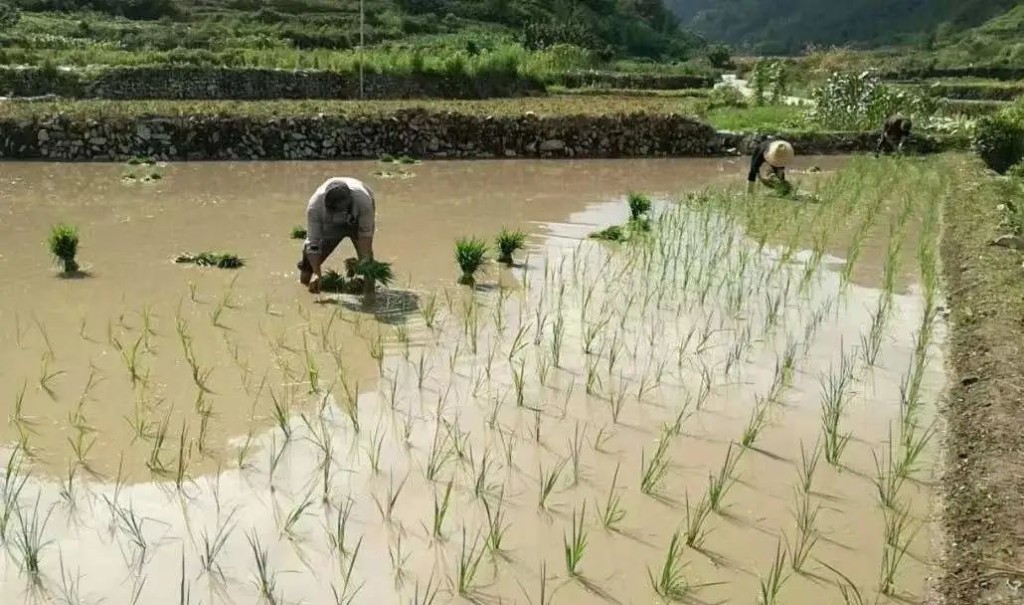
316,33
849,101
999,138
221,260
508,243
470,255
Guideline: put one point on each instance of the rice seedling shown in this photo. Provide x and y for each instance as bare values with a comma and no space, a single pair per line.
429,593
281,410
558,337
808,464
718,485
757,422
372,272
887,480
481,486
771,585
519,381
348,592
265,580
28,542
832,404
47,375
298,232
576,452
470,255
696,518
441,511
806,517
497,526
221,260
387,507
213,546
184,457
440,454
288,528
670,583
613,512
616,400
653,470
897,542
913,444
398,559
154,463
337,537
63,244
575,544
508,243
469,565
548,480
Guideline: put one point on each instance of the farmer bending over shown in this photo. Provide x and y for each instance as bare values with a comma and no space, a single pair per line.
895,133
776,154
341,208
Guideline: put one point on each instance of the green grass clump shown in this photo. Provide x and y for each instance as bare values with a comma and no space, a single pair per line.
221,260
63,244
615,233
375,272
508,243
470,254
298,232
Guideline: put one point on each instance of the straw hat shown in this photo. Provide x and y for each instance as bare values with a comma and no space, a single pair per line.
779,154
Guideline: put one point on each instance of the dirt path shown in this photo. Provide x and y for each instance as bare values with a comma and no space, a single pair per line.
984,482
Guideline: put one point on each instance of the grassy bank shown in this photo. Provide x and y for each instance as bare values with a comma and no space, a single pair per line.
985,476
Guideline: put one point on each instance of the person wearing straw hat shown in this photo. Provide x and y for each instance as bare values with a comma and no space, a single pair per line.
776,154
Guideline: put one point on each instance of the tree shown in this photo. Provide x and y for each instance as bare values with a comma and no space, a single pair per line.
9,15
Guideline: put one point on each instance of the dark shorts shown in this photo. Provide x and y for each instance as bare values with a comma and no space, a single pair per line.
326,248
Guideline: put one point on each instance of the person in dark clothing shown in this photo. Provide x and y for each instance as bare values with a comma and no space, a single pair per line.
776,154
895,133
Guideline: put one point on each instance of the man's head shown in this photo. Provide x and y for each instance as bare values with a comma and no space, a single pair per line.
905,125
779,154
338,198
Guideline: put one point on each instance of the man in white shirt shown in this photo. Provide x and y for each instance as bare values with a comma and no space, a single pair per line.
342,207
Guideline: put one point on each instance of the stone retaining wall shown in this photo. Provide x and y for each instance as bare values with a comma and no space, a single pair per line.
416,133
216,83
221,83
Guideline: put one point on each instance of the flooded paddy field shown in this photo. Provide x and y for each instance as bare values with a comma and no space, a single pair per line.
736,406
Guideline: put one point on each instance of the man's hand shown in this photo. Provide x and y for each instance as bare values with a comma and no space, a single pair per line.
314,284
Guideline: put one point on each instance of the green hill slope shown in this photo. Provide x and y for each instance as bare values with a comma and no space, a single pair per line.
788,26
638,28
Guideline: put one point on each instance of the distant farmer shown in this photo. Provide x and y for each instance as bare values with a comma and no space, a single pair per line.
776,155
895,133
341,208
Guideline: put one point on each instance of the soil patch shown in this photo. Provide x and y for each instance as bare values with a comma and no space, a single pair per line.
984,481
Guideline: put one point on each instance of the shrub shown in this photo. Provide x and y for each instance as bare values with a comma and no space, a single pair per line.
999,138
9,15
63,244
720,56
725,96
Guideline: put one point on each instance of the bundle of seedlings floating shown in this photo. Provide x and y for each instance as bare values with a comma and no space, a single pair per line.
140,161
298,232
470,254
387,158
639,212
509,242
639,221
387,174
63,244
221,260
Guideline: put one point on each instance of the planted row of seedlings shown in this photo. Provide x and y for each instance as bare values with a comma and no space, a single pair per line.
591,405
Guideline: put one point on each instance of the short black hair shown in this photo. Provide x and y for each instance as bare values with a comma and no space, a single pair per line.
905,125
339,196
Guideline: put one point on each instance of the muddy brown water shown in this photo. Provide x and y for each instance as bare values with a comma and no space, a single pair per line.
99,381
